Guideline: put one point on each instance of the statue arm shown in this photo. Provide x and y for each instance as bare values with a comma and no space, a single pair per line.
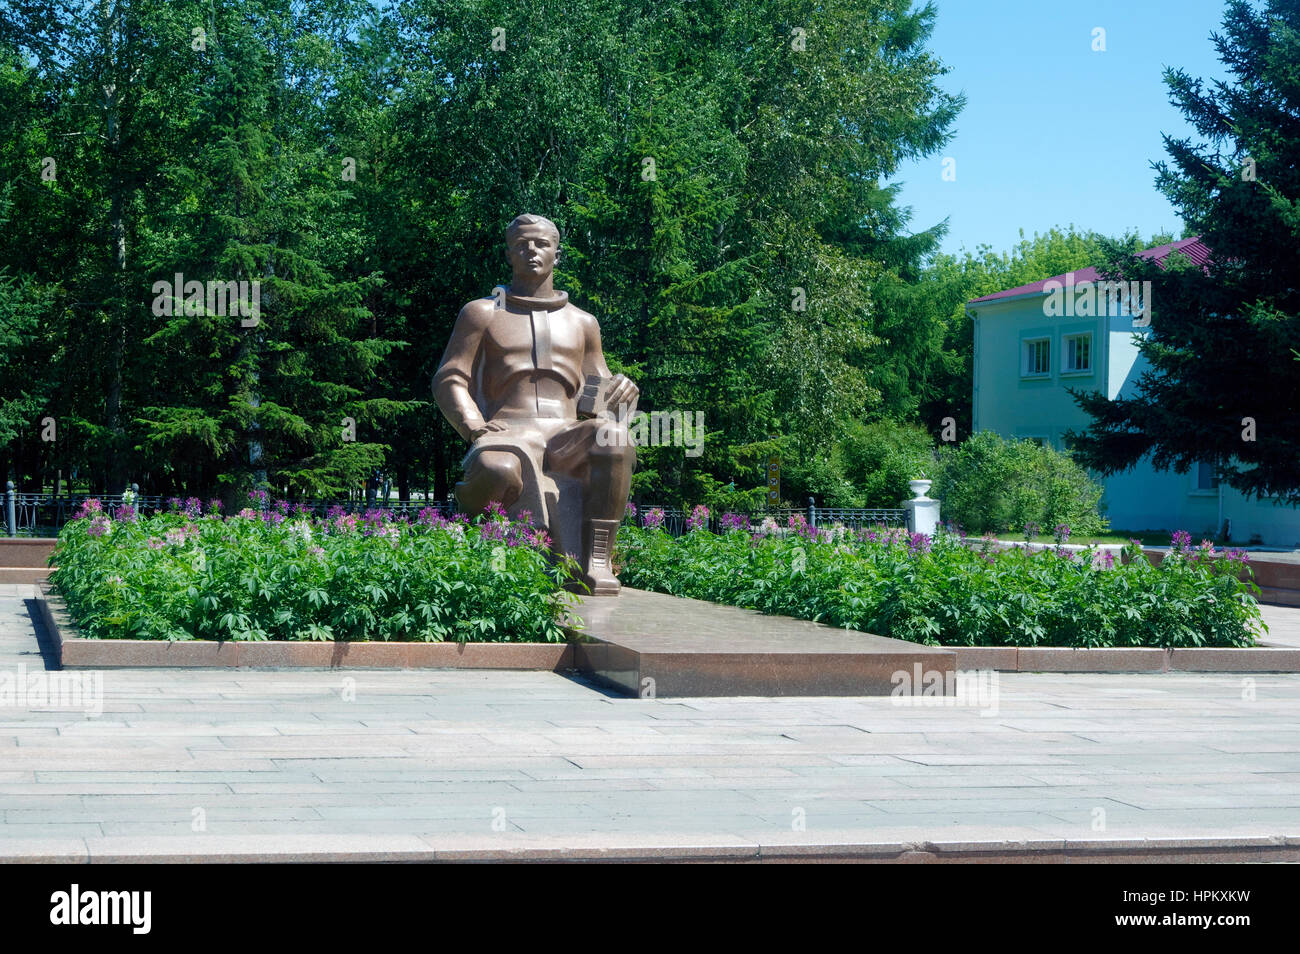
593,355
622,390
455,375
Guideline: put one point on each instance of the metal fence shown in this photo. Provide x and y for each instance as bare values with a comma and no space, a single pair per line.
856,518
45,514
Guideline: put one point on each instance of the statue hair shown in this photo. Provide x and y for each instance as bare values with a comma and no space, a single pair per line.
519,221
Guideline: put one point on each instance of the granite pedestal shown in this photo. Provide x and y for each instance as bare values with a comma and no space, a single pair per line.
653,644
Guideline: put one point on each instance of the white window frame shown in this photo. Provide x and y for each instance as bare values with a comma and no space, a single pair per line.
1065,352
1027,348
1213,489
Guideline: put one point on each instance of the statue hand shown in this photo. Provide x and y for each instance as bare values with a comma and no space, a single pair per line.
623,391
486,428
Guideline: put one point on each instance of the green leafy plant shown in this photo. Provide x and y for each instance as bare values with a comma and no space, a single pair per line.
946,591
267,575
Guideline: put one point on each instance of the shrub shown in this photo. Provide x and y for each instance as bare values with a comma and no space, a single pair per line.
992,484
945,592
881,457
265,575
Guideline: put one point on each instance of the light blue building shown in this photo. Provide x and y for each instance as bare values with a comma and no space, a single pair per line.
1035,342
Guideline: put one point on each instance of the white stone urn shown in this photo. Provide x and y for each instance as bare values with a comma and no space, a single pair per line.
922,511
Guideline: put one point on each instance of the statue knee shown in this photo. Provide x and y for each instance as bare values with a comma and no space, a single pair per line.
500,476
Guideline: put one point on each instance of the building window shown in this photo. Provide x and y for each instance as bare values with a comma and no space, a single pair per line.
1076,351
1037,357
1207,477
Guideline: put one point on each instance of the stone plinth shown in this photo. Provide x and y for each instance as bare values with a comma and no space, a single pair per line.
689,647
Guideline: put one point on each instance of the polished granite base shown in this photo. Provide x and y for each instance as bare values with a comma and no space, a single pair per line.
650,644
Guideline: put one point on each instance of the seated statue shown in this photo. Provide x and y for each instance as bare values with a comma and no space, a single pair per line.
524,380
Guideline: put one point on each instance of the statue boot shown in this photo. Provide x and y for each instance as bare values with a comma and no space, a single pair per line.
598,547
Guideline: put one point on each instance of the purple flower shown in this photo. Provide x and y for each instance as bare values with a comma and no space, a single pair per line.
630,511
126,514
1180,540
653,518
733,521
699,518
494,509
431,517
917,543
214,505
1062,532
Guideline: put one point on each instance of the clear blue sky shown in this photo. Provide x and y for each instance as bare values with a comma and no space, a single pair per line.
1054,133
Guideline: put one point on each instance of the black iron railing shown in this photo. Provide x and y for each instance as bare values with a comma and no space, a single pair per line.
45,514
675,520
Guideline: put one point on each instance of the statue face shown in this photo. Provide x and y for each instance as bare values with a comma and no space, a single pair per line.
532,252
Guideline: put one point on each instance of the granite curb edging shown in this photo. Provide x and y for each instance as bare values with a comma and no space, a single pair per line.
1136,660
695,848
77,653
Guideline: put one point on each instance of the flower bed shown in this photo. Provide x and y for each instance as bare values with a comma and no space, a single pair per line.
945,591
269,574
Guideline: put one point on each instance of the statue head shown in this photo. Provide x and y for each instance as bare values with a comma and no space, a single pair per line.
532,244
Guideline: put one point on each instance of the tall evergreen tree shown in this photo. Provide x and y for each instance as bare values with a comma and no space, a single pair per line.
1220,385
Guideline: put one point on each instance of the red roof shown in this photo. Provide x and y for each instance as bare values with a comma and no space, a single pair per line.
1193,248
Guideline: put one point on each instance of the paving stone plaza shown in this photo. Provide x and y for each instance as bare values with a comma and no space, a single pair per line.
354,765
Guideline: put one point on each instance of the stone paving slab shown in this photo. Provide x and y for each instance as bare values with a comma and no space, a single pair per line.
474,766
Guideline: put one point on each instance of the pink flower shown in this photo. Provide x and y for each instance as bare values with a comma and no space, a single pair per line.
89,507
699,518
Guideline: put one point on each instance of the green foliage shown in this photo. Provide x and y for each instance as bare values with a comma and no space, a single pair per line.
880,458
990,484
247,578
948,592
